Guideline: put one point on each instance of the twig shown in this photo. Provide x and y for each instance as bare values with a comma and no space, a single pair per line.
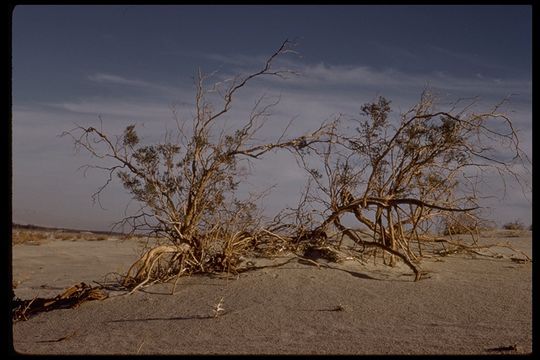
513,347
59,339
218,308
140,346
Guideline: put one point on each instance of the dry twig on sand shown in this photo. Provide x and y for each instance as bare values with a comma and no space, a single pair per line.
70,298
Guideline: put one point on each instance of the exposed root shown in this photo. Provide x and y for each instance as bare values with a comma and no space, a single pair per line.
70,298
458,247
417,273
145,265
164,263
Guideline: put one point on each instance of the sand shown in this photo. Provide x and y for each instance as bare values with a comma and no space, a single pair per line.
464,306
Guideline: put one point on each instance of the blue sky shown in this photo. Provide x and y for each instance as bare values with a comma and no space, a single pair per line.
130,64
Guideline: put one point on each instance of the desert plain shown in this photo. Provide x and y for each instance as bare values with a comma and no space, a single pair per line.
464,303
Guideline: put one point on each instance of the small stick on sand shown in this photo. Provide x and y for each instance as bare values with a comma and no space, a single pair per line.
140,346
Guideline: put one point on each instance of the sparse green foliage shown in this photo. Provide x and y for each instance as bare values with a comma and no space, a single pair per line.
130,137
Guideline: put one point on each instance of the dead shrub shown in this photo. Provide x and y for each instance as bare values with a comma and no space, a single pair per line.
462,224
64,236
28,237
514,225
400,177
396,177
96,238
187,184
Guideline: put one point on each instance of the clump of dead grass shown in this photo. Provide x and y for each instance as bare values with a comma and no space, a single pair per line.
462,224
96,238
218,308
64,236
28,237
514,225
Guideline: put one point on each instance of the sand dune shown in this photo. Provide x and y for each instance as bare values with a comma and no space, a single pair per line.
463,306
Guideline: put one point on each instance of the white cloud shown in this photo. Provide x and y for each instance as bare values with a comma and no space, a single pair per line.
111,79
389,79
337,80
396,52
112,108
236,59
471,58
115,79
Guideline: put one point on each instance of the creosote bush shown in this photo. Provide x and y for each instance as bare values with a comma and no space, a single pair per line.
401,177
397,175
187,184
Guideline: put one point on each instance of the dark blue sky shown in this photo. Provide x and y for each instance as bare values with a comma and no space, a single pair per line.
129,63
162,42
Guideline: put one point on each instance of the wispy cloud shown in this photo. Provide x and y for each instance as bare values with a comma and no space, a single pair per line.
365,76
470,58
317,77
221,59
111,79
115,79
125,109
238,59
394,51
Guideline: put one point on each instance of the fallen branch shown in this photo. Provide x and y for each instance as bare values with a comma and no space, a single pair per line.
359,241
59,339
71,298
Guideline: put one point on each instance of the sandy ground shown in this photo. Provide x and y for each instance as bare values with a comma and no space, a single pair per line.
463,306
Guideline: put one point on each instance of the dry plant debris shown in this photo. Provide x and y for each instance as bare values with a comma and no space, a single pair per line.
59,339
218,309
504,348
70,298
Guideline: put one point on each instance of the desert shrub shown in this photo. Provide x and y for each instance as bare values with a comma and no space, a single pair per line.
64,236
514,225
457,228
95,238
397,176
465,224
459,225
187,185
28,237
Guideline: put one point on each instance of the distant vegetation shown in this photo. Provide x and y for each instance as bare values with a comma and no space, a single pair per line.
465,224
514,225
36,235
45,228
